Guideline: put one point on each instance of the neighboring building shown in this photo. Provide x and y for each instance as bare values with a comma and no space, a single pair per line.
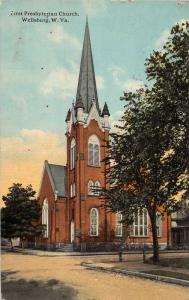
71,209
180,226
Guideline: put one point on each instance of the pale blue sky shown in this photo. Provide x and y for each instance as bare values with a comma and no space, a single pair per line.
122,35
40,61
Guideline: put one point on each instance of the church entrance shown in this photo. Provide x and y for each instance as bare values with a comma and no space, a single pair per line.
72,231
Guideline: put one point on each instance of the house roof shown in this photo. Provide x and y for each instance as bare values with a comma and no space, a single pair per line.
57,176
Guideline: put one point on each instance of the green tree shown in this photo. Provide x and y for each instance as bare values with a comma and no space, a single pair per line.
169,71
20,216
147,162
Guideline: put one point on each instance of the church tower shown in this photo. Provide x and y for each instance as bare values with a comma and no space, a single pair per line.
87,133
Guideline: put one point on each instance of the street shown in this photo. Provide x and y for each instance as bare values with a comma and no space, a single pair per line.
27,277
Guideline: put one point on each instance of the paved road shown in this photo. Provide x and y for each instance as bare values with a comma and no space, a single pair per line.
28,277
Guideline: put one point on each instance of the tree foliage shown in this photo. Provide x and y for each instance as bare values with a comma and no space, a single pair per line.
148,160
19,217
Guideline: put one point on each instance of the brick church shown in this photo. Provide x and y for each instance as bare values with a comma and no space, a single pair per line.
71,208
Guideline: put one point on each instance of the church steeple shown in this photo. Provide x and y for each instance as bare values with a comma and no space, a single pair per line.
86,88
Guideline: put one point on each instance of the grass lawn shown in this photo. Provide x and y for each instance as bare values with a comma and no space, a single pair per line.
168,274
180,262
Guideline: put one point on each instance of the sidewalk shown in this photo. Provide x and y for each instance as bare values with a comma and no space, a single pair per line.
133,265
58,253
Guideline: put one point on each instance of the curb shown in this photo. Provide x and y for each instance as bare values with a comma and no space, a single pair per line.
159,278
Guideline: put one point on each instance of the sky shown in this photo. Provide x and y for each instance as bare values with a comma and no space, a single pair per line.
39,65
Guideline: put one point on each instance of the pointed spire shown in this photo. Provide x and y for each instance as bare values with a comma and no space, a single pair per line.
105,110
79,102
68,116
87,84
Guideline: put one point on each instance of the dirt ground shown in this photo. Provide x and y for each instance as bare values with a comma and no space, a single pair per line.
28,277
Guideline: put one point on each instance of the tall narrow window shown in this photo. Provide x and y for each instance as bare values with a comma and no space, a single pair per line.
45,218
118,224
96,155
72,190
90,187
73,154
97,188
94,222
140,224
90,150
94,151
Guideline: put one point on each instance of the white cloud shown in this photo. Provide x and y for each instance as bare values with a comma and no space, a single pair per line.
163,38
130,85
116,71
115,120
99,82
92,7
160,42
58,35
61,81
32,144
22,156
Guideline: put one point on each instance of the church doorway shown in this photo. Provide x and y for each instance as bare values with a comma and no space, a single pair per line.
72,231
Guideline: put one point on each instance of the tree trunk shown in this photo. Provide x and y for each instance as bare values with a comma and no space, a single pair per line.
22,243
11,244
168,237
155,239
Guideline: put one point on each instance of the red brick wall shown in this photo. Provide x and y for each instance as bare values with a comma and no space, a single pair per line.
78,209
57,212
81,175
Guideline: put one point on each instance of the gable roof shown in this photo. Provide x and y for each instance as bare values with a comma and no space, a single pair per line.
58,174
57,177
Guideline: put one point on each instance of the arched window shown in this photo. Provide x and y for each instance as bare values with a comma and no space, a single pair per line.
90,187
73,154
94,151
45,217
94,222
94,188
97,186
118,224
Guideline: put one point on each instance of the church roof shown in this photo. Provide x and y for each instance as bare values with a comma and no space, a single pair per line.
87,84
57,174
105,110
68,115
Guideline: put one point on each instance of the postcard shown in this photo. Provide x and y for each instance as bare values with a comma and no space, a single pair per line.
65,65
